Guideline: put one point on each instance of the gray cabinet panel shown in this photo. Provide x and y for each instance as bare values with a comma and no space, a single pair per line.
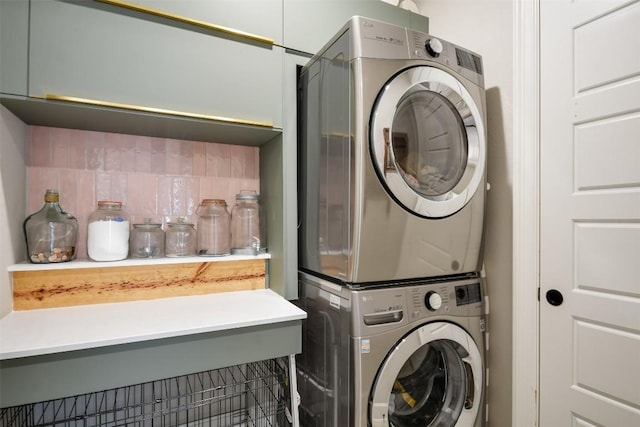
40,112
14,39
278,182
96,51
258,17
309,24
418,22
40,378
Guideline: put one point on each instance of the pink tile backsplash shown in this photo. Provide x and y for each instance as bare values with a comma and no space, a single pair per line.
112,152
158,155
59,149
172,157
34,189
77,149
86,185
155,178
49,178
163,192
143,155
186,158
39,147
103,186
95,150
68,188
128,153
199,158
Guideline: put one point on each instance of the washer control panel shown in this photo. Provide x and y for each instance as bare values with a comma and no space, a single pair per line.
433,301
468,294
455,299
385,308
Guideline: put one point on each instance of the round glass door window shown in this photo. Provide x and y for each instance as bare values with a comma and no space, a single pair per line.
427,142
434,383
431,388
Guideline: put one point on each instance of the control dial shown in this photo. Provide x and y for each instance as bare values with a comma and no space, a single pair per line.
433,300
434,47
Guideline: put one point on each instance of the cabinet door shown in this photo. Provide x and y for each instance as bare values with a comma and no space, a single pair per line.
97,51
310,24
258,17
14,36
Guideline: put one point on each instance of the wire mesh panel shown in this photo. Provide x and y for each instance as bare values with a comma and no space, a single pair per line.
254,394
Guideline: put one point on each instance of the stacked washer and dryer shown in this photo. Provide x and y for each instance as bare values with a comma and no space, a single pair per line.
391,198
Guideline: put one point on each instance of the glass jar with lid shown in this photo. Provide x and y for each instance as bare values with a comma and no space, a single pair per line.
146,240
51,233
180,238
213,228
108,232
248,236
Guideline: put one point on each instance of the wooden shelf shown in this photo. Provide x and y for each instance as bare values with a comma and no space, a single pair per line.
38,286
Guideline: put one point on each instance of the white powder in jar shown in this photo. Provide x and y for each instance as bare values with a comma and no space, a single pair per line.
108,240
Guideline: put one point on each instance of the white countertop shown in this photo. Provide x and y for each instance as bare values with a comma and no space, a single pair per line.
53,330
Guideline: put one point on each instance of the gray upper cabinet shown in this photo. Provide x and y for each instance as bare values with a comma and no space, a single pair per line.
98,51
256,17
14,47
310,24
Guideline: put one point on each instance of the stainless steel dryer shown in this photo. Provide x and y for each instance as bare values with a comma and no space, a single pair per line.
391,157
395,356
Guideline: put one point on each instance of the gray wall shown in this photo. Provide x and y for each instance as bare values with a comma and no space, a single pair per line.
485,26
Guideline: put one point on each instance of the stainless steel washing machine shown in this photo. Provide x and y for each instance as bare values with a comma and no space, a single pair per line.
392,356
391,157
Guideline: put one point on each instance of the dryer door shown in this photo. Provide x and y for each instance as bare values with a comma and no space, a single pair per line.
427,141
433,377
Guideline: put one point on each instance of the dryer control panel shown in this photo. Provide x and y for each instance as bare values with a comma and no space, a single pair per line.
426,47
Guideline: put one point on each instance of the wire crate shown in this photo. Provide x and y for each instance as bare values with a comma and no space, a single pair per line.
253,394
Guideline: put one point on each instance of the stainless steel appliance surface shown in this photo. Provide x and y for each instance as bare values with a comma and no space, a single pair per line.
393,356
391,157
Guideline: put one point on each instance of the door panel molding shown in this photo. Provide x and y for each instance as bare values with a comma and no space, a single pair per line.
526,220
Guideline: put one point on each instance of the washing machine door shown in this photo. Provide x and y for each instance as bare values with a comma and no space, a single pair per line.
427,141
433,377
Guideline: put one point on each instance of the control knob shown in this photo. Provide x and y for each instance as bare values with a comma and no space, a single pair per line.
433,301
434,47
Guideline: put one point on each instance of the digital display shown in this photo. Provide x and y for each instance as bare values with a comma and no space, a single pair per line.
469,61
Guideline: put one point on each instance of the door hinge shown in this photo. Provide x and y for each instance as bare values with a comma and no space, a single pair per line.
538,294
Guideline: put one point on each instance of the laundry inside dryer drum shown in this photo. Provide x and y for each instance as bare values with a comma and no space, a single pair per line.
432,387
428,143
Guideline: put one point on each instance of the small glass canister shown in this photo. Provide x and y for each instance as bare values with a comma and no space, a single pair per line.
146,240
213,228
248,236
180,238
108,232
51,233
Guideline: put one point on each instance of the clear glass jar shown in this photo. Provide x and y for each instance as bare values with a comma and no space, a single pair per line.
248,235
146,240
51,233
180,238
108,232
213,228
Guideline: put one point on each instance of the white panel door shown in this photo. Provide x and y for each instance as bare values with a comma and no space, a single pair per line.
590,213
